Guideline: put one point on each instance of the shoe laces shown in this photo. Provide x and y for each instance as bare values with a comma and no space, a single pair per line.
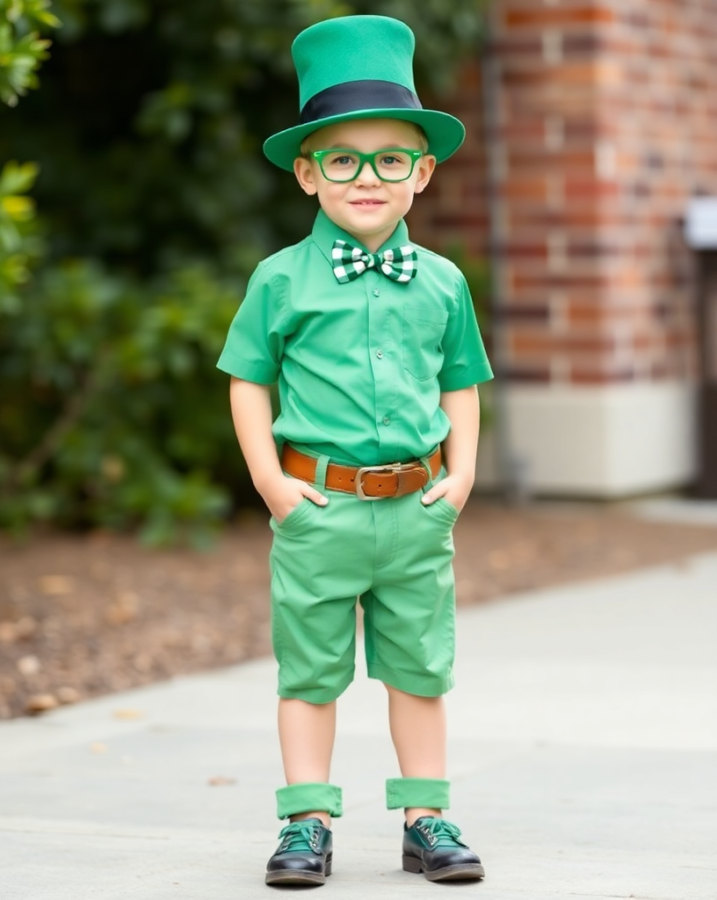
300,837
438,832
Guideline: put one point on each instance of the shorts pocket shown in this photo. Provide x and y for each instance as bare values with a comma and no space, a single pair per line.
423,331
443,510
295,517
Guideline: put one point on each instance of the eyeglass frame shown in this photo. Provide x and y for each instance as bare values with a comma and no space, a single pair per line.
370,158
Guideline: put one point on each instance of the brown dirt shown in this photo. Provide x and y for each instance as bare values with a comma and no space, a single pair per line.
84,616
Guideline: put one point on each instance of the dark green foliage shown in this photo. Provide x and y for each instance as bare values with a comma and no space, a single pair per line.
112,413
147,131
149,124
21,47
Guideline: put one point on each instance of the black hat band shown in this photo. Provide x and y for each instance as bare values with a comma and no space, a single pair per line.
357,96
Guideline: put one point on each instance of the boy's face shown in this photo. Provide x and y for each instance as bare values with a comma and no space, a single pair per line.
367,208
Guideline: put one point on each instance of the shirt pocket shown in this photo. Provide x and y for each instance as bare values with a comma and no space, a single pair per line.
423,331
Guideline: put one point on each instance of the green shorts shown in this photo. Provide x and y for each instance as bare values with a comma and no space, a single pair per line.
395,556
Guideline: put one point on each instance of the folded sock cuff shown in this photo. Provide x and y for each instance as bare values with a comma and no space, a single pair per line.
430,793
309,796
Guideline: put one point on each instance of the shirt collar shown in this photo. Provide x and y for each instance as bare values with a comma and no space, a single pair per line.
325,232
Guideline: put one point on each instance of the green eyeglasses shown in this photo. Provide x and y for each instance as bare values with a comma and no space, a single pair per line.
395,164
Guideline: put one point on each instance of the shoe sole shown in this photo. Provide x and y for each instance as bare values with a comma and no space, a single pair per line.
466,872
299,877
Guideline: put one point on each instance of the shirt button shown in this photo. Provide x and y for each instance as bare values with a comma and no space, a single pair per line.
379,354
386,420
376,292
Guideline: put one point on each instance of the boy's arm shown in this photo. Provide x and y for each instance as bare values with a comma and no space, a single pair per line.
252,415
463,409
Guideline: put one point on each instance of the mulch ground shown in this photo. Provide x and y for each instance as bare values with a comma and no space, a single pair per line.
82,616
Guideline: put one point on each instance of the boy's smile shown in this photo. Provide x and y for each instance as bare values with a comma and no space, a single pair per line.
367,208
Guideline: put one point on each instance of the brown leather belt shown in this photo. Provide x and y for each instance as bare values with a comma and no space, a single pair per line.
367,482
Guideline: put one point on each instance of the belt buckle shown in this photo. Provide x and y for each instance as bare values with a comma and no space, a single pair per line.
390,467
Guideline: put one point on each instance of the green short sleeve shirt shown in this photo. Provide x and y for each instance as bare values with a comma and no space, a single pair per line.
360,366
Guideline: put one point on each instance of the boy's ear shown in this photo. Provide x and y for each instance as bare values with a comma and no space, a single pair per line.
304,172
426,167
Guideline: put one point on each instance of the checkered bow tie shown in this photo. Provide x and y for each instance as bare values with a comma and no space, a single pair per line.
398,264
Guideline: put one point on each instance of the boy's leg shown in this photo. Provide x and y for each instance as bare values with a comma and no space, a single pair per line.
409,625
305,853
431,845
418,731
318,569
313,636
410,630
306,734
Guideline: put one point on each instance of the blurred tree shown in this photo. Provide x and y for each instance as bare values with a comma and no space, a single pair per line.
149,125
18,240
21,47
156,203
21,52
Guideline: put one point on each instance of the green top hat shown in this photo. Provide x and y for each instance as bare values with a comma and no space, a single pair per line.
359,67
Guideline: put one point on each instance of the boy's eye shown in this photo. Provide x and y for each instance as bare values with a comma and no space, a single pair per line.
342,160
389,160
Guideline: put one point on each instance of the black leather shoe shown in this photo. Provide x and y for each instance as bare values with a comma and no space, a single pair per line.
432,846
303,856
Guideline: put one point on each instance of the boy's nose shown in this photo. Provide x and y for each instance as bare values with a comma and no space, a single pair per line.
366,174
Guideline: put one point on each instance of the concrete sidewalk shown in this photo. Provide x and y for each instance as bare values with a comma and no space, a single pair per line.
583,757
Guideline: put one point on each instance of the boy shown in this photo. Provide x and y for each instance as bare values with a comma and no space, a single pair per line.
377,353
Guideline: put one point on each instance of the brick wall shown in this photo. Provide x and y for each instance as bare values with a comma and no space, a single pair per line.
453,211
606,124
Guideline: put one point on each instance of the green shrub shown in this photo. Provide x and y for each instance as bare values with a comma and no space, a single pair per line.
21,47
112,413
